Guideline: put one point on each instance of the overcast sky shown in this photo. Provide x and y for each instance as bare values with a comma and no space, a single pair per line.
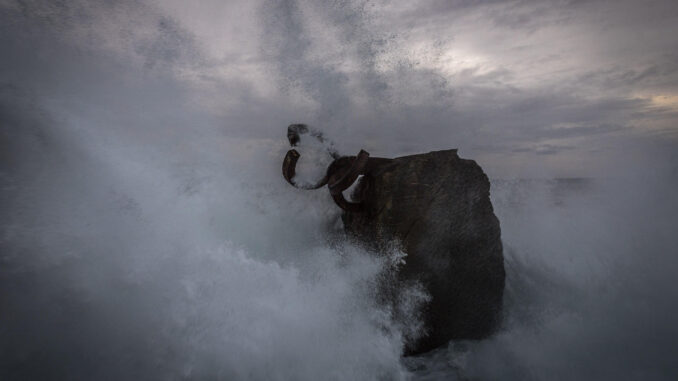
526,88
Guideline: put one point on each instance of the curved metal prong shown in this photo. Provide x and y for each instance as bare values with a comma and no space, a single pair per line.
342,180
345,205
293,132
340,183
289,165
289,171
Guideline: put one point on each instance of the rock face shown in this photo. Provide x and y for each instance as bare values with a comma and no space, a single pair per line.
438,207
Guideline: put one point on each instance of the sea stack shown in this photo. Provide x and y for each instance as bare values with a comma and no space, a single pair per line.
437,207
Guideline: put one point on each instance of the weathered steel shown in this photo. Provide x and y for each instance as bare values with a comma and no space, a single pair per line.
340,175
289,167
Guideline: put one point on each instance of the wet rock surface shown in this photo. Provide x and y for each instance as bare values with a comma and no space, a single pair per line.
437,207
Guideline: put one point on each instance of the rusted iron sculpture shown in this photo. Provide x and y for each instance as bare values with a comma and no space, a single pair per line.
340,175
437,207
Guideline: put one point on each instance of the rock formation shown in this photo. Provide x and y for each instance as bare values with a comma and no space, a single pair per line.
437,207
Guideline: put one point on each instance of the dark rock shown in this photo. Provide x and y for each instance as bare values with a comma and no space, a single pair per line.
437,206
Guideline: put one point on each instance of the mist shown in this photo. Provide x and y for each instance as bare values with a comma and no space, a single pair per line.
147,232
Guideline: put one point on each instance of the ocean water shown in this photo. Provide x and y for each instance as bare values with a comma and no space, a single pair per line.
118,263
